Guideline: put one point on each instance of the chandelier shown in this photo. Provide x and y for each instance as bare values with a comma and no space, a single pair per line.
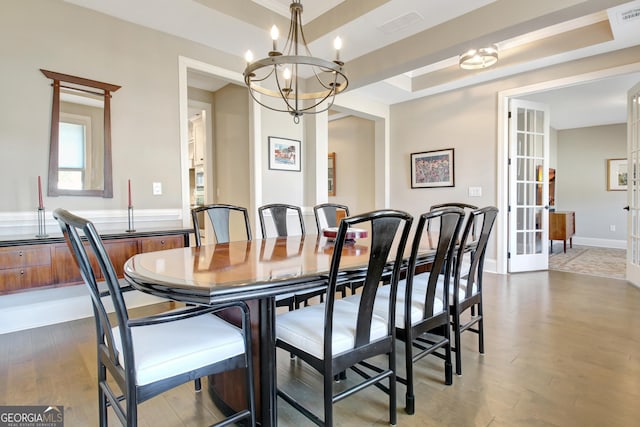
279,82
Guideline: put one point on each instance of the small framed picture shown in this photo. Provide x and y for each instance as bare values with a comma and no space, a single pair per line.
284,154
616,174
432,169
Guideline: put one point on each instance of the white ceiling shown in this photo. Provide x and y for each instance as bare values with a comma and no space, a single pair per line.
398,31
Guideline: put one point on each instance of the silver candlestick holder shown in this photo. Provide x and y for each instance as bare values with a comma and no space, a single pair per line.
42,226
131,229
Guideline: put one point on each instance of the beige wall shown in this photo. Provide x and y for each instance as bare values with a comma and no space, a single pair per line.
581,180
467,120
353,141
55,35
231,131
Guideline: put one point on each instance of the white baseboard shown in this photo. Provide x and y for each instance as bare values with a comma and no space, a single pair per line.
600,243
44,307
491,266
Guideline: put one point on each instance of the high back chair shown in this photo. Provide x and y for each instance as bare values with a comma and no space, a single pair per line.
422,307
337,335
467,210
326,215
279,213
150,355
466,292
220,216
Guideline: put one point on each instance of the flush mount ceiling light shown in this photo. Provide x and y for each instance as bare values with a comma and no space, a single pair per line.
475,59
285,70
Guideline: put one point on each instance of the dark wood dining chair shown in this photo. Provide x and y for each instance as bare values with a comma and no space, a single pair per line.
422,307
326,215
140,358
466,292
279,214
468,208
221,216
337,335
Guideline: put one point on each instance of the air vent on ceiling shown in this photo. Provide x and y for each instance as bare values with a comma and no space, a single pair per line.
624,21
401,22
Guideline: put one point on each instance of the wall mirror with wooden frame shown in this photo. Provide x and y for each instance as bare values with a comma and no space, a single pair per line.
331,173
80,141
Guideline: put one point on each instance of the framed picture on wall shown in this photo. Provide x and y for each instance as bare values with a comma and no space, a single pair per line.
284,154
432,169
616,174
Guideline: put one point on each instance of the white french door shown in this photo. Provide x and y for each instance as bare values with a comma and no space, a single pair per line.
633,189
528,186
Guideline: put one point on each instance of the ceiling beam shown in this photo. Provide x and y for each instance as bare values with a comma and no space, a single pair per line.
497,21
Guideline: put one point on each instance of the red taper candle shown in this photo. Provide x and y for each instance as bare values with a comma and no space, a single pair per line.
130,203
40,203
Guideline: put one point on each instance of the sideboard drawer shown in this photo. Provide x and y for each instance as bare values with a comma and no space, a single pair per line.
24,256
151,244
14,279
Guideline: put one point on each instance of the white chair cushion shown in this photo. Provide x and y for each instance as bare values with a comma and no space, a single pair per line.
304,328
461,291
167,349
381,304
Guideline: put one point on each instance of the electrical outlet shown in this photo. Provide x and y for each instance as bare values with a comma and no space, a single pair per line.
612,228
157,188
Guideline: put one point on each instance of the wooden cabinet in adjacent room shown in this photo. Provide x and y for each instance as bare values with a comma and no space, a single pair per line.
562,226
34,263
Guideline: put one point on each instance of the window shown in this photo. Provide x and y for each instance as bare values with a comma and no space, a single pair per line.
73,146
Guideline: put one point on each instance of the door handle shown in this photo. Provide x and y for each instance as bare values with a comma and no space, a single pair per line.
546,207
626,208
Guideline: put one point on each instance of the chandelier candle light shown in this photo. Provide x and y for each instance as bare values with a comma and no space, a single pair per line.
285,71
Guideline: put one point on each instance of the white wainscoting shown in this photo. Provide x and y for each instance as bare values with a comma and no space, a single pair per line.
25,223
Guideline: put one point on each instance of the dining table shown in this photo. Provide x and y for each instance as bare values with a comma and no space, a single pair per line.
256,272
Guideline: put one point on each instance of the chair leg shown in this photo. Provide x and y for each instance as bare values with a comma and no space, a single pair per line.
393,416
448,369
102,398
456,332
198,384
410,399
480,329
328,400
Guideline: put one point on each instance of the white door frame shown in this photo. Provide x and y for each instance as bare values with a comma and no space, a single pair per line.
184,64
502,231
633,140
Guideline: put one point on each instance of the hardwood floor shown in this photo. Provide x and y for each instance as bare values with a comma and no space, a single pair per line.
562,349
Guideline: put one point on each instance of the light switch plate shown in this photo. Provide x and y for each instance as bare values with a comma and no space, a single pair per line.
157,188
475,191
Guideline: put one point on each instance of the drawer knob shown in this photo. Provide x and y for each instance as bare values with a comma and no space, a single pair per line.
162,242
22,272
20,253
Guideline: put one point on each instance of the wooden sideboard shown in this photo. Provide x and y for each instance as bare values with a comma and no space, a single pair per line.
562,226
32,263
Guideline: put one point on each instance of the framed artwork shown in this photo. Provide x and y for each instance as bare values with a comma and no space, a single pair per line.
331,174
616,174
432,169
284,154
